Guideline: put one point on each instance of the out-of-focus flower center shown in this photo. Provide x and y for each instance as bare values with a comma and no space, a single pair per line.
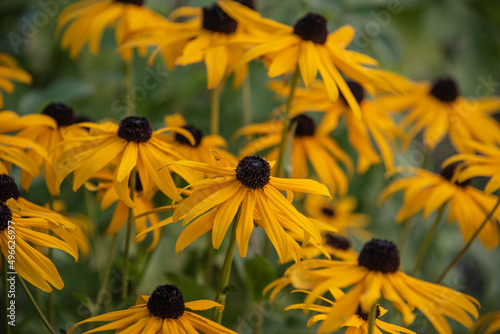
215,19
136,129
8,188
380,255
197,134
448,173
166,301
365,315
253,172
132,2
304,125
311,27
328,212
445,90
5,216
357,91
63,114
248,3
337,241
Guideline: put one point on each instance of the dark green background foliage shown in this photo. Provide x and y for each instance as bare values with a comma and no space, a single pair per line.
419,39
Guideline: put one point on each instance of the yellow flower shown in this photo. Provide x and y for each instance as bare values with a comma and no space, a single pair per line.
439,110
87,20
22,225
162,312
13,149
250,185
132,144
487,324
9,71
426,191
339,215
144,203
376,274
310,143
356,323
205,35
487,164
375,126
308,46
48,130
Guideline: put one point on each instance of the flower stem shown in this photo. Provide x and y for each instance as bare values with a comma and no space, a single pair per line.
129,85
215,111
35,305
428,239
246,96
5,290
128,236
286,121
467,246
107,272
220,296
371,318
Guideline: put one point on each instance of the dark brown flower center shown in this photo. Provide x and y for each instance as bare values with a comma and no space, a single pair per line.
63,114
445,90
253,172
328,212
249,3
448,173
136,129
133,2
5,216
357,91
337,241
304,125
311,27
380,255
364,315
8,188
215,19
197,134
166,301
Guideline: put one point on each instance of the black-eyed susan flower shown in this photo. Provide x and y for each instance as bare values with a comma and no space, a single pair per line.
10,71
131,144
309,47
356,323
310,143
88,19
164,311
19,151
216,200
339,214
26,230
205,35
333,244
426,191
472,165
487,324
376,274
373,135
438,110
107,196
48,130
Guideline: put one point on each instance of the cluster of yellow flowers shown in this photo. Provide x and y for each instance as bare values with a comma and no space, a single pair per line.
129,162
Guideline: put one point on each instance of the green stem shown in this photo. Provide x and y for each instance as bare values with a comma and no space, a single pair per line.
215,111
371,318
425,162
129,85
107,273
467,246
428,239
5,290
286,121
35,305
125,277
246,96
220,297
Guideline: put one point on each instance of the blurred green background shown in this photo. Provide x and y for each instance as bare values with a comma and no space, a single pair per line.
423,40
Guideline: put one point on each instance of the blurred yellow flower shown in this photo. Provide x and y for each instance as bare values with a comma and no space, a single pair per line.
9,71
